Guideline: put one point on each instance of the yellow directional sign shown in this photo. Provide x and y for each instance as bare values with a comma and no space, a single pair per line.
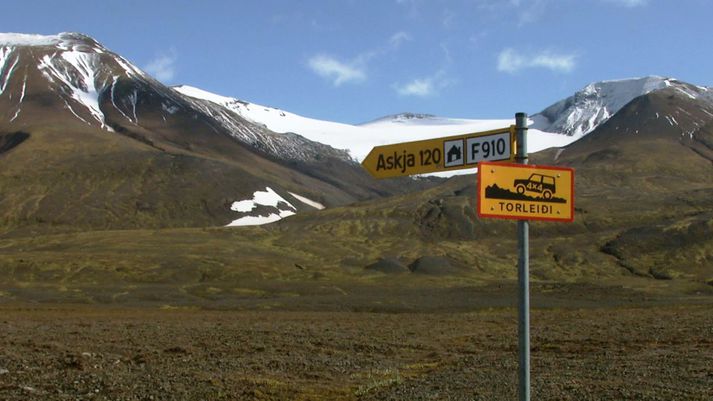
440,154
525,192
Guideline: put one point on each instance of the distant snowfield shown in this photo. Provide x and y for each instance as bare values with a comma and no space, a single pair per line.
357,139
24,39
360,139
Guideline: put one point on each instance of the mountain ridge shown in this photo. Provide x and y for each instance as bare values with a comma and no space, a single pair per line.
358,140
581,113
126,151
71,82
91,215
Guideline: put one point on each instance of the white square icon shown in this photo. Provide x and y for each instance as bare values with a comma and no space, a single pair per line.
454,153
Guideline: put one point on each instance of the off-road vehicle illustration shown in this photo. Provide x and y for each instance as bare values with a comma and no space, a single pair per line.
542,184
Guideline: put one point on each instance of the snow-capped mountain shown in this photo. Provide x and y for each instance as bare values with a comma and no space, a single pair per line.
581,113
360,139
658,147
100,143
77,68
103,144
91,82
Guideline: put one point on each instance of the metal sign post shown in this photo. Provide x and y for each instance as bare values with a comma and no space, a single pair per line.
548,194
523,273
524,192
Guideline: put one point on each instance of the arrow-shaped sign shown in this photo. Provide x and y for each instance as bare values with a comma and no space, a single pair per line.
440,154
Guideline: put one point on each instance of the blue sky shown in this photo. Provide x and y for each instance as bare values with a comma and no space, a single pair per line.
353,61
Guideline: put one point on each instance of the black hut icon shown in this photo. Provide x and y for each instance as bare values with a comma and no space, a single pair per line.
454,154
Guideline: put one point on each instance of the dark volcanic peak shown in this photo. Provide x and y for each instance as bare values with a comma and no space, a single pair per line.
581,113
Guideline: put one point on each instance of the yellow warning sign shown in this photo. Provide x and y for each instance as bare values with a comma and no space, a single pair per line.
525,192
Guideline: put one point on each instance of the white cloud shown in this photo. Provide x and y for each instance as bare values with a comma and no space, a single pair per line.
531,12
394,42
336,71
354,71
398,38
417,87
554,62
526,11
430,85
628,3
477,39
413,7
512,61
163,66
424,87
447,58
448,19
411,3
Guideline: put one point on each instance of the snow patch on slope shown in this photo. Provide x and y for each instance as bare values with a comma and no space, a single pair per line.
129,68
86,94
78,72
7,66
268,198
201,94
689,93
22,97
308,201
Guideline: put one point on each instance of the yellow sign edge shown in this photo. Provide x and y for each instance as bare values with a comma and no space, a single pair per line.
480,191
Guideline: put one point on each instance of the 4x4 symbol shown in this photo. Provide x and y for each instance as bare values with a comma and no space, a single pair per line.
542,184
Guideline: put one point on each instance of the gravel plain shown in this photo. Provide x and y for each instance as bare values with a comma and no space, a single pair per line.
107,353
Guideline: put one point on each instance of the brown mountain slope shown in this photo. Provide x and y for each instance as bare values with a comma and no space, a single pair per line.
651,160
91,142
665,132
77,177
642,230
648,172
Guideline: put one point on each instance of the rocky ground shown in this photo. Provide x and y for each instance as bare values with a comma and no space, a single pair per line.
660,352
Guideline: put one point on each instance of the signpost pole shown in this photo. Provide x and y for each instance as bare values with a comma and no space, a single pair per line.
523,273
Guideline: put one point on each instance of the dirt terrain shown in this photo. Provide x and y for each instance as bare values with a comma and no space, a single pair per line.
662,352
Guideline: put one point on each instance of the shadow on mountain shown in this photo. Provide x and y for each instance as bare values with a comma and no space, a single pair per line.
433,265
9,141
388,265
